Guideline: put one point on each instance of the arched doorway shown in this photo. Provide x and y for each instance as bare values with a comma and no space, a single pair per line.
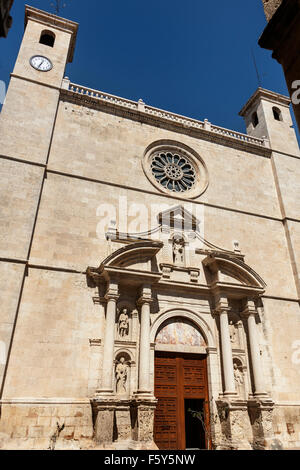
180,386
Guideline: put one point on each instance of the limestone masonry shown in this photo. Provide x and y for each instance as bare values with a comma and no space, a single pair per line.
149,264
270,7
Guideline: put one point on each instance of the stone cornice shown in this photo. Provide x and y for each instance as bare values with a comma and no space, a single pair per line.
45,401
267,95
53,21
94,99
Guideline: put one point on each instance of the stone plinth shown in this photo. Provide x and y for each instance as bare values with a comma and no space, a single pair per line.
124,424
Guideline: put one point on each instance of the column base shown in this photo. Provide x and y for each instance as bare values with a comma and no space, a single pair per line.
234,424
261,417
229,395
244,424
104,392
121,423
103,416
143,412
143,394
261,395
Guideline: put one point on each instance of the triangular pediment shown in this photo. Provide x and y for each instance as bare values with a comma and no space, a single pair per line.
180,218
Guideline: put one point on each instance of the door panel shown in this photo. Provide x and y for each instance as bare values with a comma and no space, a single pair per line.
178,377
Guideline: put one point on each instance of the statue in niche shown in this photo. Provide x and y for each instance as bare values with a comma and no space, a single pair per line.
178,251
239,378
123,322
121,376
233,332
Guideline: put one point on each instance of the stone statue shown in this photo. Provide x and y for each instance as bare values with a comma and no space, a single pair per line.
121,376
178,251
232,328
123,324
239,378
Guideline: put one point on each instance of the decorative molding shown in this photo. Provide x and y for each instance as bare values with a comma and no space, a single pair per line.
222,304
250,309
125,343
167,270
287,403
99,300
95,342
44,401
112,292
145,298
92,98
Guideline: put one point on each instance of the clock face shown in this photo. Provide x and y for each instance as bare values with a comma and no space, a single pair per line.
41,63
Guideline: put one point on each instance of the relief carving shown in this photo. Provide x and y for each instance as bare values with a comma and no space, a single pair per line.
146,423
121,376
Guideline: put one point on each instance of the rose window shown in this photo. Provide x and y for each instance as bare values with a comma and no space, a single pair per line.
173,171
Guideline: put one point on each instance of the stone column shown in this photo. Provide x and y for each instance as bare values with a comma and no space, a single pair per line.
144,353
111,296
258,385
222,310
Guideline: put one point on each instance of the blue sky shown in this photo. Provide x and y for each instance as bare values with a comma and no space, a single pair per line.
193,58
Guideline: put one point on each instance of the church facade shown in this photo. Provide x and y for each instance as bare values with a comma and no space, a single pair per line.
149,267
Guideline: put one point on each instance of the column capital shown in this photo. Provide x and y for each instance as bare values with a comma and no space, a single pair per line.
144,300
145,296
112,292
99,300
222,305
249,308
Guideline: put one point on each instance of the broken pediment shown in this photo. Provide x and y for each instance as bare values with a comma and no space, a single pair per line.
176,252
225,270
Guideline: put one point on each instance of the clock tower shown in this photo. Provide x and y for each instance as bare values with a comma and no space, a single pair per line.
28,114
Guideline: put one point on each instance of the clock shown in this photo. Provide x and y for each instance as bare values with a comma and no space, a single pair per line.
41,63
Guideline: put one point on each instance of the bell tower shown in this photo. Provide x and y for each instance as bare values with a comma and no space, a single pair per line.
29,110
267,114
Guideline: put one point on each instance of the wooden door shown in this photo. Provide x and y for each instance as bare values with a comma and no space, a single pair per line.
178,377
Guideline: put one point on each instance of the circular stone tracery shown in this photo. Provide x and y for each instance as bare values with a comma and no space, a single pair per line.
173,171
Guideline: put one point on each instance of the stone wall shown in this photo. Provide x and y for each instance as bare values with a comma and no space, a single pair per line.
60,191
49,426
270,7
